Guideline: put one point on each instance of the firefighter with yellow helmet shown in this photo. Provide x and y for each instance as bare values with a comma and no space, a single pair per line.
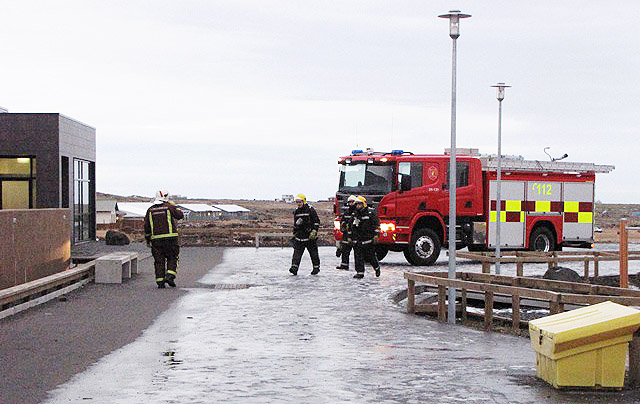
305,234
160,231
365,229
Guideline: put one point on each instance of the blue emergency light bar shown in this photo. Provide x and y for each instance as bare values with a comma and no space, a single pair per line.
396,152
354,152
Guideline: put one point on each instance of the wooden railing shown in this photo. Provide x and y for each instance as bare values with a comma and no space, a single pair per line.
550,258
554,293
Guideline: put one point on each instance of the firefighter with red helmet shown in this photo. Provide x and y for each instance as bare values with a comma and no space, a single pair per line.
305,234
161,233
345,227
365,229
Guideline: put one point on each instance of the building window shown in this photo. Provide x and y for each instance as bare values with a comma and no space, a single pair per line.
17,182
83,200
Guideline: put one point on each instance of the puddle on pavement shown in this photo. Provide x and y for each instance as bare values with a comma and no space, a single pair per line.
224,286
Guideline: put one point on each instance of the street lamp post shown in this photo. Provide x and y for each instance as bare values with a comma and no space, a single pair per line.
500,87
454,17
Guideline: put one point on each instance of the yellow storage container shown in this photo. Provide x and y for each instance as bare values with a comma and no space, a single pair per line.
584,347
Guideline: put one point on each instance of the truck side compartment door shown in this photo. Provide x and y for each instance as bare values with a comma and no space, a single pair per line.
578,211
512,214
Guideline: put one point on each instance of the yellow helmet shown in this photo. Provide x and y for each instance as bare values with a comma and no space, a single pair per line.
361,199
301,197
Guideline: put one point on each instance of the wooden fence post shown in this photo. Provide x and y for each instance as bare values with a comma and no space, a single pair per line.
463,303
486,267
442,302
624,254
488,311
515,315
586,270
411,296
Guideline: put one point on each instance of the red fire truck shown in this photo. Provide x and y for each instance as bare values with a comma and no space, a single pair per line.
545,205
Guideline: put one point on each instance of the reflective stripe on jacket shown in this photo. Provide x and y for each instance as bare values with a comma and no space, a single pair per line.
161,221
365,225
305,219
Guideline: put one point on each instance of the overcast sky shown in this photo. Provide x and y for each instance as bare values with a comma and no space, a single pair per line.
254,99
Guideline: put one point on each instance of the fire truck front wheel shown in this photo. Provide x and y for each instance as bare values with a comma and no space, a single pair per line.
542,240
424,248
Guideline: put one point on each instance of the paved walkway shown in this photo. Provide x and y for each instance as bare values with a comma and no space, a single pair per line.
251,333
44,347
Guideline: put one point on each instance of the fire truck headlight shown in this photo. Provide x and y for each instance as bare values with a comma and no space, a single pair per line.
387,227
336,224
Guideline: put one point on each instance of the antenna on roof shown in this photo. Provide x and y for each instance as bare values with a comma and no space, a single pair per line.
555,158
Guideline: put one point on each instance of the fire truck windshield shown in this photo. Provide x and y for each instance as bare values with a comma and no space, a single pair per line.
362,178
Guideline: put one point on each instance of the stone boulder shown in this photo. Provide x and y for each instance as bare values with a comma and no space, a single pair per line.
562,274
114,237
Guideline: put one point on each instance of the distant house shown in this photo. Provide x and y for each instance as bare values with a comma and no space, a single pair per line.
233,212
106,211
287,198
199,211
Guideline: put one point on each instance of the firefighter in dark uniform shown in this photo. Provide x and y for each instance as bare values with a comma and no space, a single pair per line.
365,230
345,227
305,233
161,233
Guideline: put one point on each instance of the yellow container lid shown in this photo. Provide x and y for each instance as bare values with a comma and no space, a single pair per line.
586,325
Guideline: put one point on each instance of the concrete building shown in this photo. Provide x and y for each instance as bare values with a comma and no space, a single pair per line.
47,160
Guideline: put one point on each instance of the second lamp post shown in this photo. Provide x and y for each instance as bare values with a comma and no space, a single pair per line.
500,96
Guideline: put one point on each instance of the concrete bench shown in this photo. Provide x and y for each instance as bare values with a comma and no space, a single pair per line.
114,267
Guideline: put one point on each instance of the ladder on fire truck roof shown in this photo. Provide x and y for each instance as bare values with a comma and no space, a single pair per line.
490,163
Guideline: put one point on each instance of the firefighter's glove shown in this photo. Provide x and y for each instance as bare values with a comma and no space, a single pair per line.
299,222
313,235
375,239
350,241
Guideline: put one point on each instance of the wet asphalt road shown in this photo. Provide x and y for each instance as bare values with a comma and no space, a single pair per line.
251,333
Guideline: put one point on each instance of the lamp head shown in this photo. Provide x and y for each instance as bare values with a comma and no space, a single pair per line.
500,87
454,17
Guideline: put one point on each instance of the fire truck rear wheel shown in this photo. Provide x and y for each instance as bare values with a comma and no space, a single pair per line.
424,248
542,240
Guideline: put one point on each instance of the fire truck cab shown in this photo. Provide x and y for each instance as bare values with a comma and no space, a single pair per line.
544,205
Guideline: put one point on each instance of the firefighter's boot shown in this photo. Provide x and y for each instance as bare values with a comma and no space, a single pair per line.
316,271
293,270
358,275
377,272
171,280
